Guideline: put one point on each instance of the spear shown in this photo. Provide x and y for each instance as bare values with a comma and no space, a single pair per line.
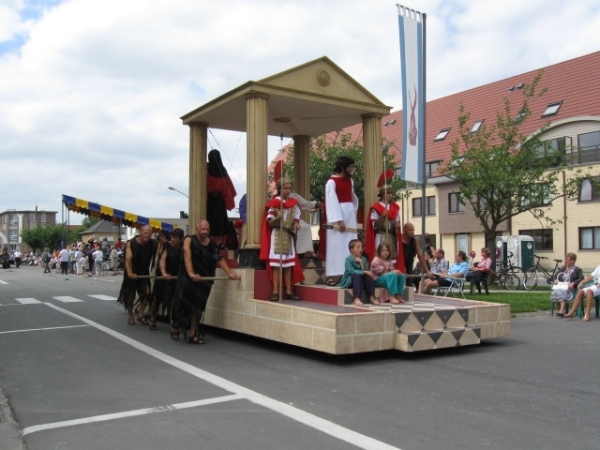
281,221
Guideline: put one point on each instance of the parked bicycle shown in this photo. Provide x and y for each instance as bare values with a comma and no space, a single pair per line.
107,265
509,277
533,275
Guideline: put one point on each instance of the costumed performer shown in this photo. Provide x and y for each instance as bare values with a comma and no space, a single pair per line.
341,204
304,244
277,244
200,259
384,221
221,195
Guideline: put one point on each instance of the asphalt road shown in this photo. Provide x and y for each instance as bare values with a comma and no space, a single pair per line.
76,376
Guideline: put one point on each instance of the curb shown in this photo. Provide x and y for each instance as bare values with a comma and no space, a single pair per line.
10,433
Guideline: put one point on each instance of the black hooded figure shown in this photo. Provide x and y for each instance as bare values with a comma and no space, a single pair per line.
221,195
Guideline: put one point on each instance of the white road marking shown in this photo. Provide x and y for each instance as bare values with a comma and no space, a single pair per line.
137,412
3,282
67,299
103,297
306,418
42,329
27,301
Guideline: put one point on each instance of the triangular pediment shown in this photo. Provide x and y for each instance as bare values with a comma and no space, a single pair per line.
324,78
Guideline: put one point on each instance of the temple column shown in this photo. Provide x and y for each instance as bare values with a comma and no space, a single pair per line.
373,157
257,164
301,170
197,192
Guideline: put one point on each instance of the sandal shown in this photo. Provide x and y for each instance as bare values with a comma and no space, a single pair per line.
142,320
195,340
586,318
153,325
130,321
330,282
274,298
174,334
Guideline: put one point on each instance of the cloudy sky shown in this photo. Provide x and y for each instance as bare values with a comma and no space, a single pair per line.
91,91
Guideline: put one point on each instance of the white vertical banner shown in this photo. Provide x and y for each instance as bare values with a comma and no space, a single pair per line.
413,93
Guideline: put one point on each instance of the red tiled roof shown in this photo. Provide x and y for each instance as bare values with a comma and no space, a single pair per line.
575,82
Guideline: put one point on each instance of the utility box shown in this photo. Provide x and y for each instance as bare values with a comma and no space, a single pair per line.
521,247
501,253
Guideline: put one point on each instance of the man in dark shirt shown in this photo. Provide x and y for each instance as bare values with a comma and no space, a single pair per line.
140,253
200,259
411,249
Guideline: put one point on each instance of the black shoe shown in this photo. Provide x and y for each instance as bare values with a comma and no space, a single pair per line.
292,297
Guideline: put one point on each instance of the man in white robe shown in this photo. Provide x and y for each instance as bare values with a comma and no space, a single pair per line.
341,205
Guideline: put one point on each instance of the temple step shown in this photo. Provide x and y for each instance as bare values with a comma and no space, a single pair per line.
436,339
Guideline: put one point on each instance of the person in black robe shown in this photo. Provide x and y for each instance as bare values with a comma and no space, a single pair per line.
140,255
221,198
168,267
200,259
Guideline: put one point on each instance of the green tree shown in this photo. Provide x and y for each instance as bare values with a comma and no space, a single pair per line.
503,173
48,236
322,157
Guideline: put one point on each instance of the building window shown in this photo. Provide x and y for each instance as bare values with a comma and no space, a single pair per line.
477,126
589,140
431,237
13,219
12,235
536,195
429,206
556,148
43,217
552,109
589,190
431,168
543,238
32,217
442,134
589,238
454,205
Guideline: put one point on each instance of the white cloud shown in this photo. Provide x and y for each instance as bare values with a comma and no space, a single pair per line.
91,100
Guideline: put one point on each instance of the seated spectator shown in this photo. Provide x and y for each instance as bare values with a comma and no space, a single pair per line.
390,280
458,270
589,293
481,270
357,274
569,273
438,265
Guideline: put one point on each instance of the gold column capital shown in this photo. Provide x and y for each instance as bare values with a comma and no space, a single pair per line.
255,94
371,116
198,124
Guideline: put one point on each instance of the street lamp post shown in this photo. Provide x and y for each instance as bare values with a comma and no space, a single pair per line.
171,188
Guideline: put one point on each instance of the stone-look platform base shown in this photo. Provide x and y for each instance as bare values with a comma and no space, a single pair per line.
427,323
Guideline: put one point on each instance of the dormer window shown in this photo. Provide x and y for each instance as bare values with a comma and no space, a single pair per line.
552,109
442,134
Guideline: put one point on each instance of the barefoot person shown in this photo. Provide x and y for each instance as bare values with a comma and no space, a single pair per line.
200,259
139,258
389,279
341,204
589,293
357,274
168,267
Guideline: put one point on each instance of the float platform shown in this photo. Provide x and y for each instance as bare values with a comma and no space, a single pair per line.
326,321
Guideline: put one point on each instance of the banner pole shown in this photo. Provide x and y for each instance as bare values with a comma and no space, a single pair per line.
424,128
